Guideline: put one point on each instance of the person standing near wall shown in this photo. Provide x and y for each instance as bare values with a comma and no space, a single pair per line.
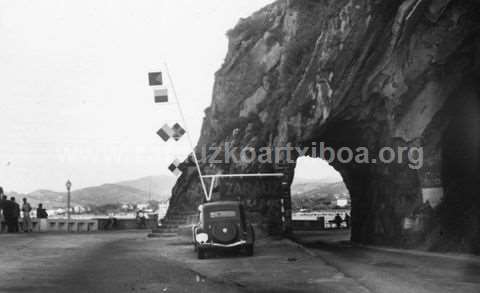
27,221
347,220
16,215
3,199
41,212
42,215
11,211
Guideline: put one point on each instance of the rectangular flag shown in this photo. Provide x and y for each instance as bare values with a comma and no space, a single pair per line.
155,78
161,95
166,132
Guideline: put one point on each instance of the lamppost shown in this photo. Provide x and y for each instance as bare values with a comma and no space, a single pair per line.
69,187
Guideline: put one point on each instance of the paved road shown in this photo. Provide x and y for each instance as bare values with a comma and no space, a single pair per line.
392,271
131,262
93,263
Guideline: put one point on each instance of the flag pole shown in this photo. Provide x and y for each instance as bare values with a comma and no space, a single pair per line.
179,106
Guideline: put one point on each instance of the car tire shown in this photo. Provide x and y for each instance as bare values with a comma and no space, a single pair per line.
201,253
249,249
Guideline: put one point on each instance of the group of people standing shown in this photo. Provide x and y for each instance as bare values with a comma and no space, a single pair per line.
11,214
338,220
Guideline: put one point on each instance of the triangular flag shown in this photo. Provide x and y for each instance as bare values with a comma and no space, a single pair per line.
155,78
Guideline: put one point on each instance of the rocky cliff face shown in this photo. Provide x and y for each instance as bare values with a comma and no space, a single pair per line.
356,73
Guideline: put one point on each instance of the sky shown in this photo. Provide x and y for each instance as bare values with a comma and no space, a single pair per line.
74,98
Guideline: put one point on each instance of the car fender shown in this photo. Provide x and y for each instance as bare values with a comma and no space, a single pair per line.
194,232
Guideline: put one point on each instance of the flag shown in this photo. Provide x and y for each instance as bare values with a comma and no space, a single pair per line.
165,132
174,167
155,78
161,95
178,131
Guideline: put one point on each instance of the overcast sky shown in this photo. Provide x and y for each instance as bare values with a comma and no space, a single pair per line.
74,98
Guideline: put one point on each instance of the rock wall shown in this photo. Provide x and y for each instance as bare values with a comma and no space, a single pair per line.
355,73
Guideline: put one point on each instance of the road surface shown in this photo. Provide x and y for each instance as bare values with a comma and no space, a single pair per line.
131,262
389,270
113,262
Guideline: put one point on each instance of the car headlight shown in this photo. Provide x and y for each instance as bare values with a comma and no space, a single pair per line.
201,237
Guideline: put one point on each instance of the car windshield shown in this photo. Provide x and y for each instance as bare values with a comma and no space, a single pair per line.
223,214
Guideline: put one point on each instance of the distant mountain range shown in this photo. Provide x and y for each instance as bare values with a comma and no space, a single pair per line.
305,193
133,191
317,194
303,187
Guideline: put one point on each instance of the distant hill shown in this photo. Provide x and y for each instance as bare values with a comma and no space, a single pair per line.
133,191
316,194
158,185
306,193
47,197
110,194
304,187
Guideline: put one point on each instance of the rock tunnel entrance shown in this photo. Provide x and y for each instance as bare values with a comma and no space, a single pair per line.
415,88
318,195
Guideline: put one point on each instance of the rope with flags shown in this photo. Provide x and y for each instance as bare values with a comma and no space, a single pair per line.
166,132
176,132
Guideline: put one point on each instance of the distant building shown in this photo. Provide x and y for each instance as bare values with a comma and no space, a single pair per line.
142,206
342,202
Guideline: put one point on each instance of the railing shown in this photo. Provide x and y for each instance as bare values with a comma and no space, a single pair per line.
61,225
90,225
319,224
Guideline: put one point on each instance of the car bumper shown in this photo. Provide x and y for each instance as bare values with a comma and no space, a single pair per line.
220,245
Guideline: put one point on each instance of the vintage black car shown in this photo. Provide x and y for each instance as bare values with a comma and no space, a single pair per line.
222,225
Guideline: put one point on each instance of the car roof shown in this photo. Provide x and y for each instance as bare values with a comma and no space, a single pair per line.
221,204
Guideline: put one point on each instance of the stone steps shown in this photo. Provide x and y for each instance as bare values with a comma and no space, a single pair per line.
170,224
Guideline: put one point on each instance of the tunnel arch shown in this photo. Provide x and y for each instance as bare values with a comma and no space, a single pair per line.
318,192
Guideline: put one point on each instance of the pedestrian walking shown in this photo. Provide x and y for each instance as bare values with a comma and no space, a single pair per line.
27,220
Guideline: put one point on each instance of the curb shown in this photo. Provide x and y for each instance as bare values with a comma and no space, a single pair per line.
450,256
413,252
161,235
308,251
